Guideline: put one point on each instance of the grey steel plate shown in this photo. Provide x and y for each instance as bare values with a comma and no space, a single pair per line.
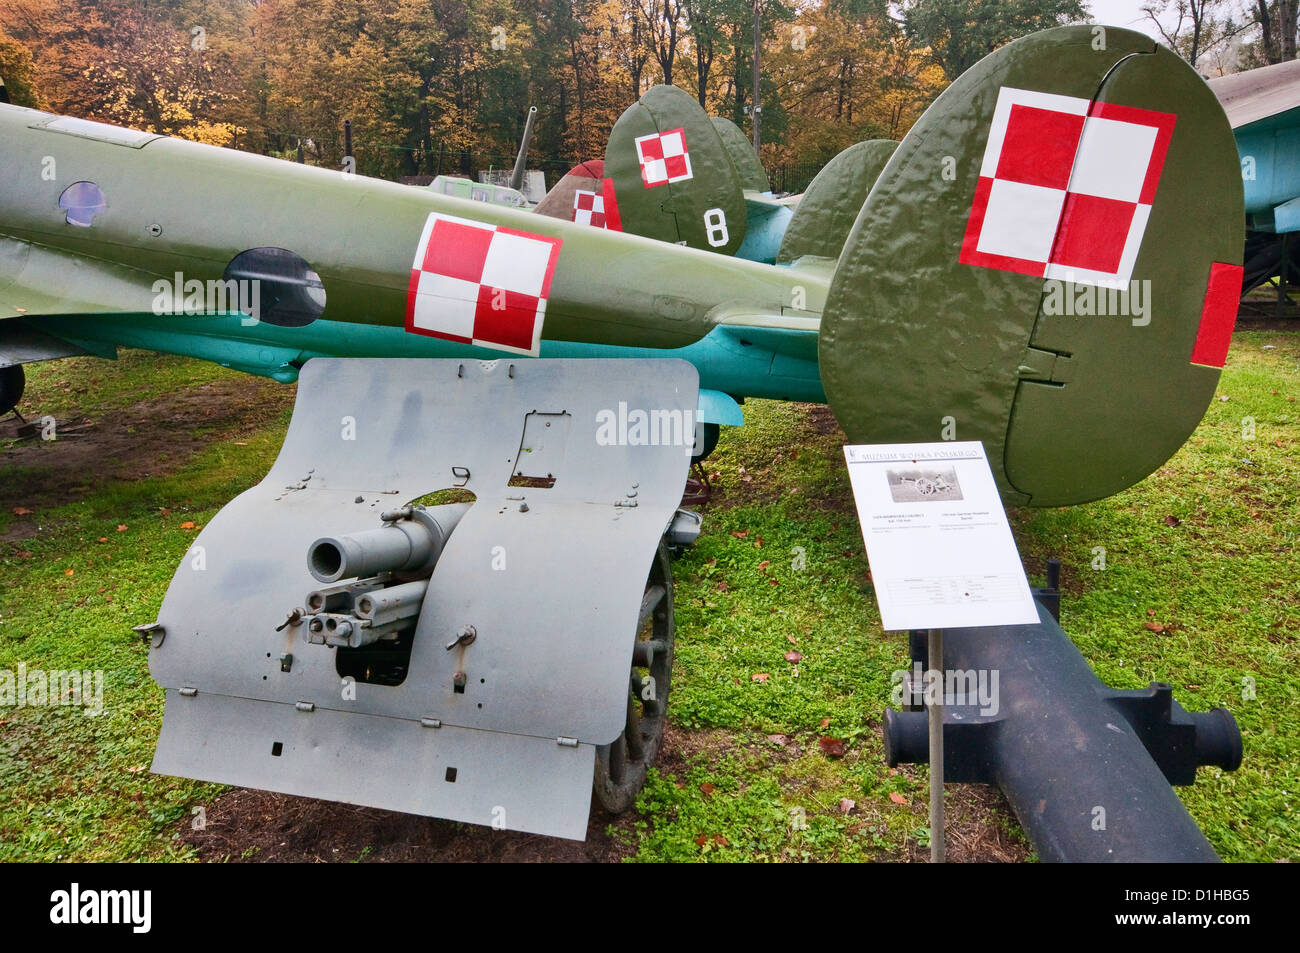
550,578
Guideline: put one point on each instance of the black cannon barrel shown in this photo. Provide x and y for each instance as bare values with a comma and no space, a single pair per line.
1087,769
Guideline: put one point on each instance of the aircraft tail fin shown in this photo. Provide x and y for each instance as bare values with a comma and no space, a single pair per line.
1050,263
828,209
673,178
748,165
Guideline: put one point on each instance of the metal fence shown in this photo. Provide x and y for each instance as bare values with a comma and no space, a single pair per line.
792,177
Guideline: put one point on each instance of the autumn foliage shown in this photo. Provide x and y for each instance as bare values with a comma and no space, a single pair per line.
426,81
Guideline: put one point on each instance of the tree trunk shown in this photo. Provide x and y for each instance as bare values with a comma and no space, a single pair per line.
1286,10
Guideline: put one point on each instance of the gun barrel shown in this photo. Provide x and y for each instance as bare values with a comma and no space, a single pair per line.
521,161
392,603
404,545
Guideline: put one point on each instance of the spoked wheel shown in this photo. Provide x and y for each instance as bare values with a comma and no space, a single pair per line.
621,766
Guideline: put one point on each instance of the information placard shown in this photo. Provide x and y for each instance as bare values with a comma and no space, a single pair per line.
941,552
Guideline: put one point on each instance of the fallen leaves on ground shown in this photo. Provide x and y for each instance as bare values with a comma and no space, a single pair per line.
831,747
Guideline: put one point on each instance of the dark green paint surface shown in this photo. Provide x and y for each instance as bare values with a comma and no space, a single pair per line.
753,177
676,212
829,209
910,336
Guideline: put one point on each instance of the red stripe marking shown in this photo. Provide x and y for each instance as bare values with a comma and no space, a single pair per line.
443,335
1218,315
411,290
612,219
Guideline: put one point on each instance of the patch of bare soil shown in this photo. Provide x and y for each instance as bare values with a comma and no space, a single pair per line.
822,420
976,827
247,825
151,438
1258,322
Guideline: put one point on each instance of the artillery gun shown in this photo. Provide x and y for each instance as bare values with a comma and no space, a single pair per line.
491,660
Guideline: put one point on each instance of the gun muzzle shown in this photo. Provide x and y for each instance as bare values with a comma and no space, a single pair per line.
411,541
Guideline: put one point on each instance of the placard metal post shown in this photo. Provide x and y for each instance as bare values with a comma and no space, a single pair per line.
935,708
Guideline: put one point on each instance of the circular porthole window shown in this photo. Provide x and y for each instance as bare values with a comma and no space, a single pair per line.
82,201
281,287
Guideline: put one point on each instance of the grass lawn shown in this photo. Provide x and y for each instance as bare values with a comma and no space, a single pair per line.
780,652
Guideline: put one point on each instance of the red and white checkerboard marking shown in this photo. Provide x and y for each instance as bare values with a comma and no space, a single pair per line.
598,209
663,158
481,284
589,208
1066,187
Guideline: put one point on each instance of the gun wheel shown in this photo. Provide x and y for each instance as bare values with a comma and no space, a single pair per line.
621,767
